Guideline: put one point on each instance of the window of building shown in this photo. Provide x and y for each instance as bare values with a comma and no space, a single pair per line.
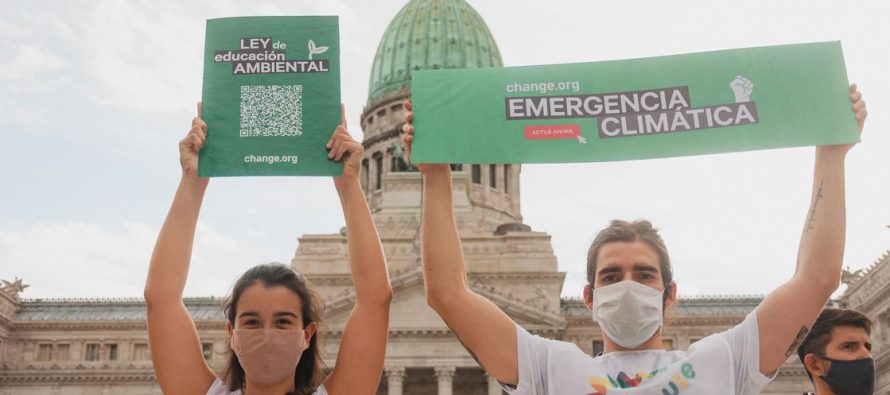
598,347
112,352
507,178
668,344
140,352
366,172
378,163
476,174
63,352
207,348
456,167
92,352
44,352
493,176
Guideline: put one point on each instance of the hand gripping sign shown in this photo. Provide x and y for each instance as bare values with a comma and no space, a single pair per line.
691,104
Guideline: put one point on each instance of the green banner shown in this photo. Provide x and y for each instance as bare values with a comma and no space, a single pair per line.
271,96
700,103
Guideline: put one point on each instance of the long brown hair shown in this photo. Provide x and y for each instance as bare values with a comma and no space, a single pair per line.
310,370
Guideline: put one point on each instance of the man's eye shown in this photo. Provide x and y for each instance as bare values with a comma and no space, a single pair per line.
284,322
251,322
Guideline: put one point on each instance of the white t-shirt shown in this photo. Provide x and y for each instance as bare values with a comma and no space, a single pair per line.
219,388
725,363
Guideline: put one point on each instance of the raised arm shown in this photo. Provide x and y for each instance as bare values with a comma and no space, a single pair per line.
786,315
175,349
360,358
481,326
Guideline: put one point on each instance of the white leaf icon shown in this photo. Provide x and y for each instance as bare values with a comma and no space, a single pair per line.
313,50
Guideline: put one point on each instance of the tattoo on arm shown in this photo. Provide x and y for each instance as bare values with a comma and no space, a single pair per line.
811,218
802,334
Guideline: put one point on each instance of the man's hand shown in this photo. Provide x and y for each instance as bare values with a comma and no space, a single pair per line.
408,138
858,106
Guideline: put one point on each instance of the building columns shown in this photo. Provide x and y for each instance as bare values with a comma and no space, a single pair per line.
493,387
445,377
395,377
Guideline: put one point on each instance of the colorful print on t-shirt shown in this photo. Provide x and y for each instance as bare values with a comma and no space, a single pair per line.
677,383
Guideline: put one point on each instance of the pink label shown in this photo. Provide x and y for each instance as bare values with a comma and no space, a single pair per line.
539,132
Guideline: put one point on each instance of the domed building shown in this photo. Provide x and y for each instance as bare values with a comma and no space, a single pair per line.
71,346
507,262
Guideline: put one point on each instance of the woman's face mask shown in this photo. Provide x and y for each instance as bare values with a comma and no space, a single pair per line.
268,356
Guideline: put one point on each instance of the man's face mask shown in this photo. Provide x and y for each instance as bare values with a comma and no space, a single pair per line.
268,356
628,312
856,377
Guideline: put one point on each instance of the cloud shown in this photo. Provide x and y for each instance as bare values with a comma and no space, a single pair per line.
84,259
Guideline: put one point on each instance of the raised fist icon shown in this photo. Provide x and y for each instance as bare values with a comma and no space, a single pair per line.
742,88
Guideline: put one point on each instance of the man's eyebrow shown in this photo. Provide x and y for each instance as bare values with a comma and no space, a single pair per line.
641,267
613,269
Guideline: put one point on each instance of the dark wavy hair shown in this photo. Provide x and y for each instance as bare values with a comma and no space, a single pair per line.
310,370
818,338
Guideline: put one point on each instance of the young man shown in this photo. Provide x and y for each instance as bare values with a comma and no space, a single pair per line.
630,285
837,354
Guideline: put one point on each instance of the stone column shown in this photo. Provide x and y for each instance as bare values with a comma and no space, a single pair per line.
445,377
493,387
395,376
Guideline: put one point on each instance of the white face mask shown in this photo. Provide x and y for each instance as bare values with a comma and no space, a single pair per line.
628,312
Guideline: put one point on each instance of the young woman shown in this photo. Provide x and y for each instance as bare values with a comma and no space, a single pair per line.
272,315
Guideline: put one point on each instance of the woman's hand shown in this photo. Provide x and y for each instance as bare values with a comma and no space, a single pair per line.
342,146
192,144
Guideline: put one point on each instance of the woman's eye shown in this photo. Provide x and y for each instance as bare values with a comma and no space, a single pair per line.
284,322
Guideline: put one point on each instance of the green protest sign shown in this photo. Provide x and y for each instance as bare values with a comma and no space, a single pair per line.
701,103
271,96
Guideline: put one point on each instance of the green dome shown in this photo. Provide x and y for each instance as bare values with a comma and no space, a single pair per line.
430,34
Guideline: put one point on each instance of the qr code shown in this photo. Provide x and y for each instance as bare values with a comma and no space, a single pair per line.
271,110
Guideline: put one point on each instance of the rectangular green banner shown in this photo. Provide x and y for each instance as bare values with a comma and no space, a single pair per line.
271,96
700,103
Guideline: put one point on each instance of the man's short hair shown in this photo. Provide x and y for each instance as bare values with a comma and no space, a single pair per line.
819,337
629,232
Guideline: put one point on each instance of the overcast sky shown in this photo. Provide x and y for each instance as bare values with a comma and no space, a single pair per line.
96,95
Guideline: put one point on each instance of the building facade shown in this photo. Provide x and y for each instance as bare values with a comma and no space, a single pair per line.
75,347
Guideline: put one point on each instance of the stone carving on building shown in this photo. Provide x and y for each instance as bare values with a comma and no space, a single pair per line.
14,288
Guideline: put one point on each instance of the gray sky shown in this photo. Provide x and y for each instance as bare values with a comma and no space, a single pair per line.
98,93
